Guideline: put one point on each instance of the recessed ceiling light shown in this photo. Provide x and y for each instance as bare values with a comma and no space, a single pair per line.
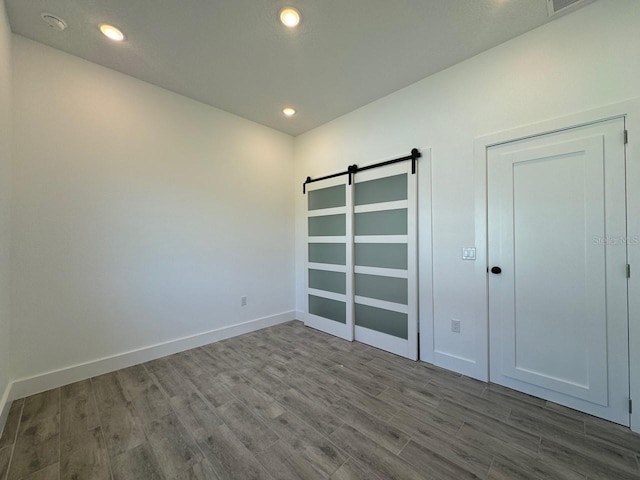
290,17
111,32
288,111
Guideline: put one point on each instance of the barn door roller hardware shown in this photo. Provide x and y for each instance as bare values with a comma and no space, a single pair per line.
353,169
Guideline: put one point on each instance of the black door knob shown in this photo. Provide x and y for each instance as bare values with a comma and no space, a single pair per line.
496,270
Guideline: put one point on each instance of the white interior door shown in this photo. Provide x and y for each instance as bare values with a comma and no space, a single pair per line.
385,259
330,257
557,229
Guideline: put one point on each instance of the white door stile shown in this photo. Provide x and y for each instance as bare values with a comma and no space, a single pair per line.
327,267
373,302
340,297
381,239
350,334
325,211
379,207
384,272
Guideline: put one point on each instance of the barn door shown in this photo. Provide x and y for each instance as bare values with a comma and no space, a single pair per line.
385,259
330,257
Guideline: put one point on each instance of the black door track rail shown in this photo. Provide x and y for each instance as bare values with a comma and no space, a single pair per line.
353,169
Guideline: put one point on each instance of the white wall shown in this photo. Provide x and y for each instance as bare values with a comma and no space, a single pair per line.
139,216
578,62
5,168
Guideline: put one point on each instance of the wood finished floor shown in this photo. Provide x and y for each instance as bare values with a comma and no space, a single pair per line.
292,403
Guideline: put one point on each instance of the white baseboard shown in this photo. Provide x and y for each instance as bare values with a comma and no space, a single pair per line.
24,387
5,405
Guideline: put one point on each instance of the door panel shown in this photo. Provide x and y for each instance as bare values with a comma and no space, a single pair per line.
329,271
327,226
328,281
385,189
385,239
383,287
382,255
385,222
328,253
558,318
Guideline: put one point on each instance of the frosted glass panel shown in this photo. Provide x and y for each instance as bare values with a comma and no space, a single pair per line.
385,222
333,253
328,281
382,288
384,255
380,320
387,189
327,198
327,308
327,225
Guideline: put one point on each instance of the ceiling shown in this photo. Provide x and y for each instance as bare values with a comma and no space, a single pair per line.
235,55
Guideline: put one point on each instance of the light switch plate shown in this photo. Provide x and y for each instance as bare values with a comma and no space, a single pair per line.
455,325
469,253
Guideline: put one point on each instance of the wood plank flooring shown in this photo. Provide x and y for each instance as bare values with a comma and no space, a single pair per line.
289,402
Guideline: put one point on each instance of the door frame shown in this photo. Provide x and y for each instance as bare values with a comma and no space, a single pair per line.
630,110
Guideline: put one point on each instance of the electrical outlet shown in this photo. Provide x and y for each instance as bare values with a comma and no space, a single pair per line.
455,325
243,301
